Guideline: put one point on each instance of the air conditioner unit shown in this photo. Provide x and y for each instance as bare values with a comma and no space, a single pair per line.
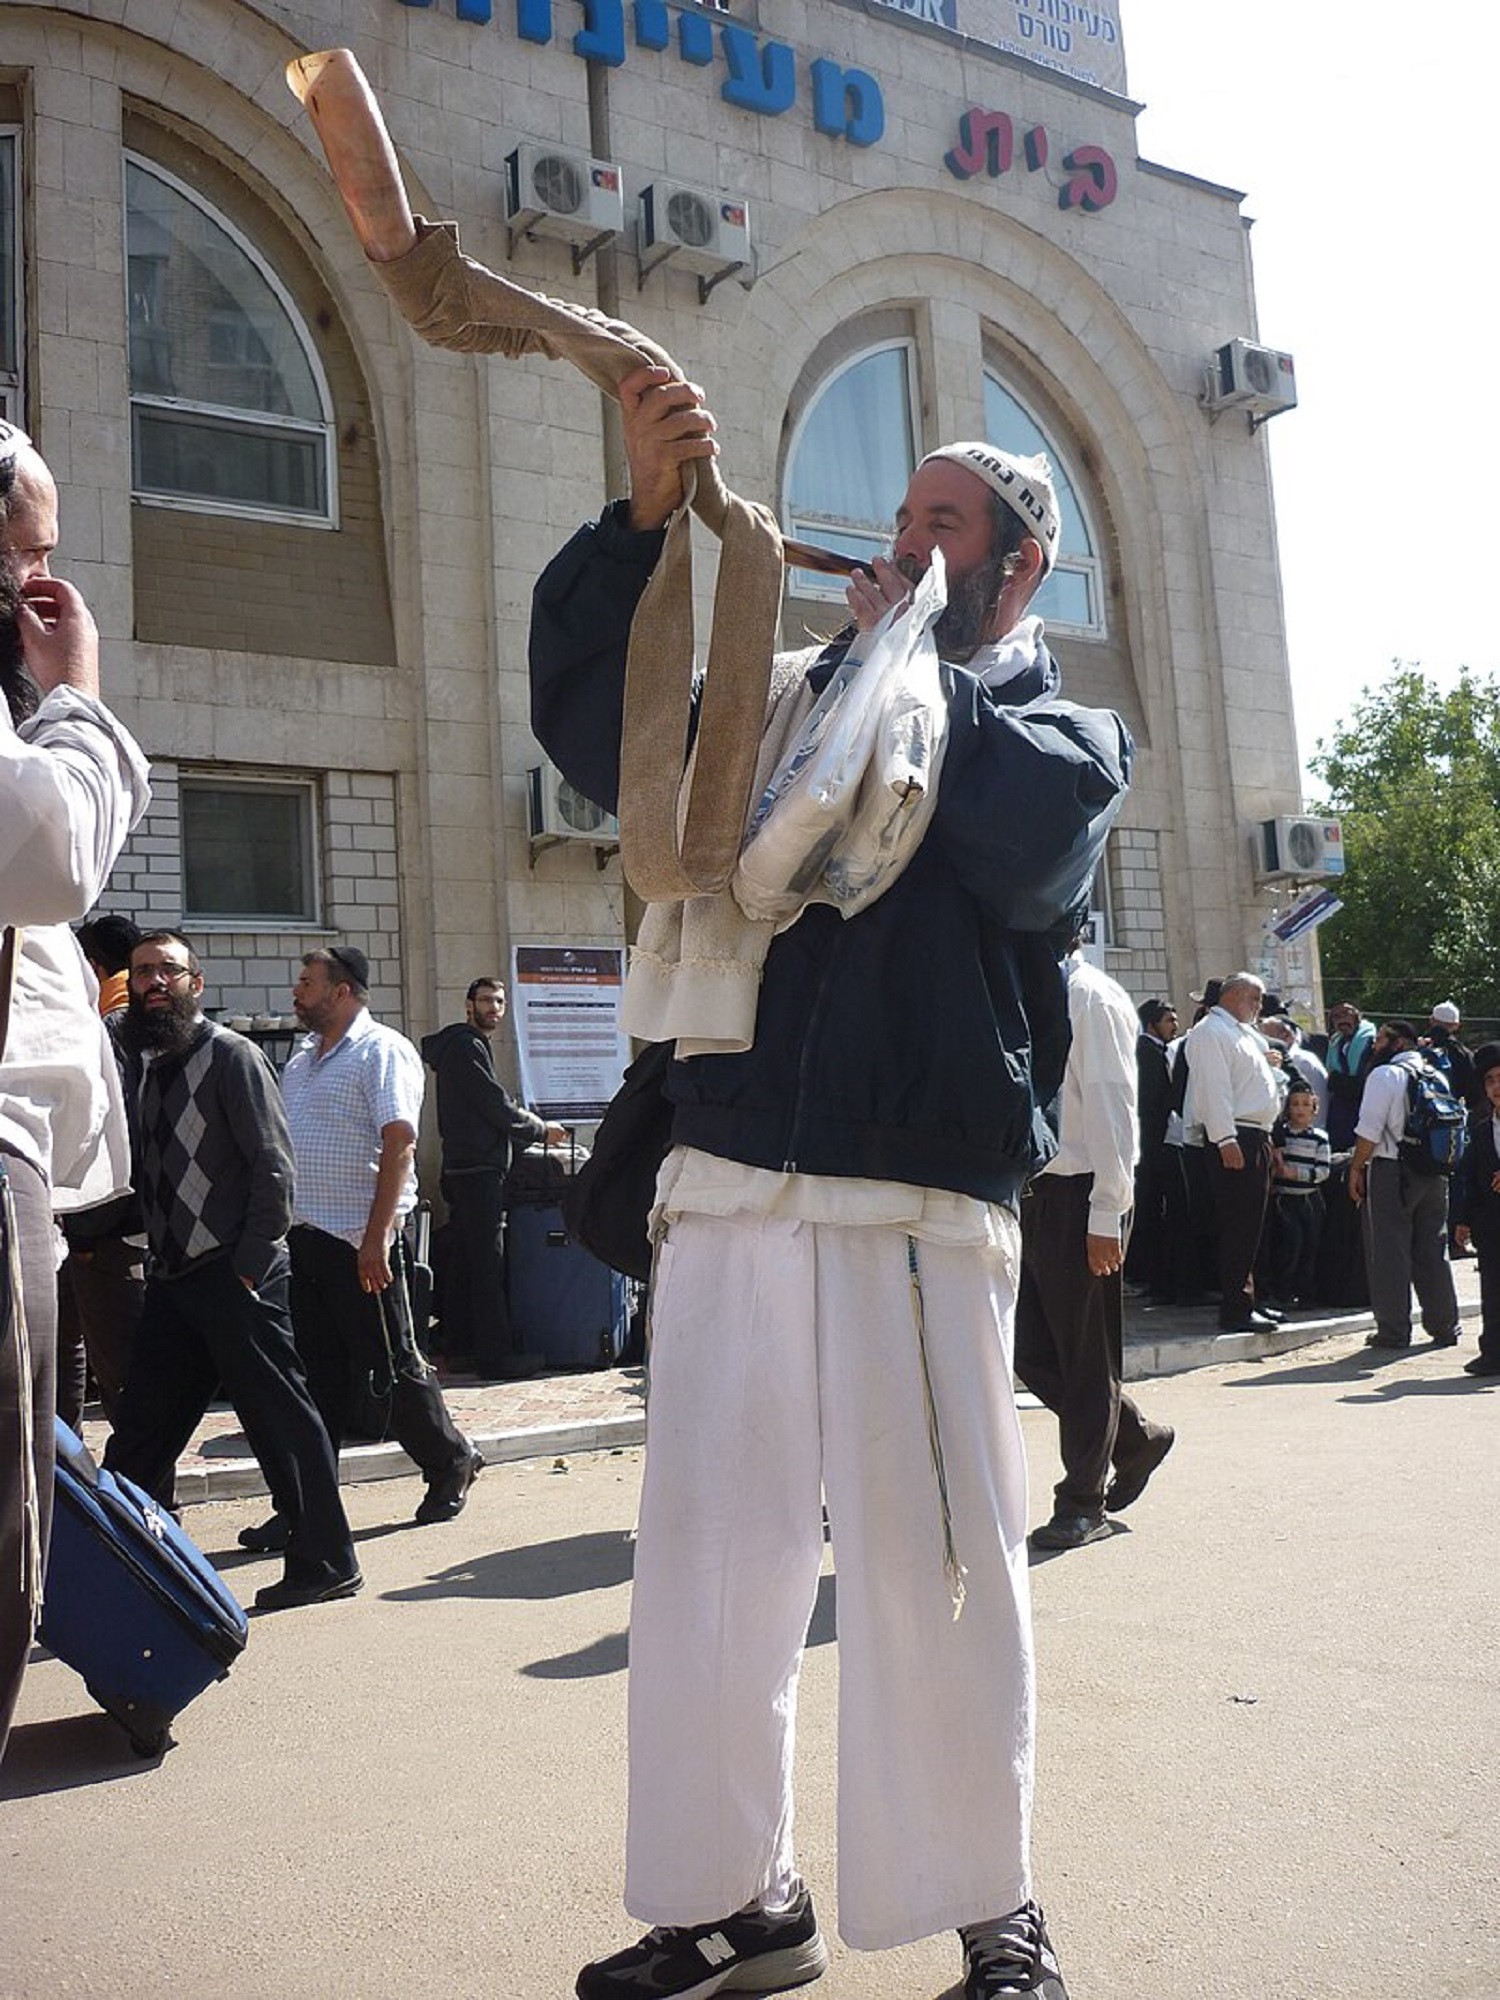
559,812
703,232
1261,381
1307,848
552,192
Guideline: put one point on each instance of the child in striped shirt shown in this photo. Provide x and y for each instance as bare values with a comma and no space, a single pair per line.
1300,1163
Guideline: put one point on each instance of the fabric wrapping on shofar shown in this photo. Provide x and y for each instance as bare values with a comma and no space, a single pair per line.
671,848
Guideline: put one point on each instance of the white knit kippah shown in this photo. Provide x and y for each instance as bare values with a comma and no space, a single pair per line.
1024,484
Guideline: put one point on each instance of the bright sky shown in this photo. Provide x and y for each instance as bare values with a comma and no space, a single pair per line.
1367,159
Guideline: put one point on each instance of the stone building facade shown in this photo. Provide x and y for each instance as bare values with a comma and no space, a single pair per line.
311,541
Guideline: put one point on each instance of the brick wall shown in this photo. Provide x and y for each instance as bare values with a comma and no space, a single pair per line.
249,969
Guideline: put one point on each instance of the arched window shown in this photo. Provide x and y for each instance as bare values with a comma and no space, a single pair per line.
850,459
1071,599
230,409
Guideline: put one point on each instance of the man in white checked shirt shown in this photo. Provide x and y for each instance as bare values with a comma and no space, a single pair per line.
354,1099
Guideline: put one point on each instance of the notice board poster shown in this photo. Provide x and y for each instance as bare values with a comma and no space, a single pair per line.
566,1005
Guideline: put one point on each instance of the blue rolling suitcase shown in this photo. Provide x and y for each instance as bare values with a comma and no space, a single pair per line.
564,1304
132,1603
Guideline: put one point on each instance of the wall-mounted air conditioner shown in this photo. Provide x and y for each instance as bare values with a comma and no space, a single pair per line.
559,812
550,191
1242,375
1309,849
700,231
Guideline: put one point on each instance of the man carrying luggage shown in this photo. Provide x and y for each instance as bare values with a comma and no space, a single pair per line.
354,1101
215,1182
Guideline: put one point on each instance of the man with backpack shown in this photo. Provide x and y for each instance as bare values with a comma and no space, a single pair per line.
1407,1142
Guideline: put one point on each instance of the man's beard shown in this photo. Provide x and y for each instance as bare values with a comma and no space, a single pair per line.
964,624
166,1030
22,696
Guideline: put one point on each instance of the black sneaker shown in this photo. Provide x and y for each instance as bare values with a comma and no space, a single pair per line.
1012,1957
753,1952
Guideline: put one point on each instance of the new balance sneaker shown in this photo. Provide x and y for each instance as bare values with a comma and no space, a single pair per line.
1010,1958
754,1952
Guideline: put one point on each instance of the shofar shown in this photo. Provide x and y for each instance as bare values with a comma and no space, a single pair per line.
670,851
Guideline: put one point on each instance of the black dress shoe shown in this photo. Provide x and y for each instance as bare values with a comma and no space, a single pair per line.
1130,1479
267,1538
289,1596
1482,1365
1276,1312
1391,1342
448,1493
1253,1322
1448,1339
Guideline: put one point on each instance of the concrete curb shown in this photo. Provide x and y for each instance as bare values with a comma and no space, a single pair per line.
241,1478
1174,1354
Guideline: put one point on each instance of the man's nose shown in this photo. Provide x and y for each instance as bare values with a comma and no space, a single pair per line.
912,542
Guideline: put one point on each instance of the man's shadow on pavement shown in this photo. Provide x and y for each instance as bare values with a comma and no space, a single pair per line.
1367,1365
571,1567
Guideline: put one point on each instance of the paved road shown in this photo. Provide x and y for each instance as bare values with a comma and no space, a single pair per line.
1269,1748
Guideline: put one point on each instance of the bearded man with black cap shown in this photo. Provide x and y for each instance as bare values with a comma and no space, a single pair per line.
837,1257
214,1176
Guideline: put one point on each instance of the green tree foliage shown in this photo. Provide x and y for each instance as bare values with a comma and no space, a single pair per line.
1415,777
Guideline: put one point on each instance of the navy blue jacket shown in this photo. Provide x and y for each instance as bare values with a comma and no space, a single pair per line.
922,1040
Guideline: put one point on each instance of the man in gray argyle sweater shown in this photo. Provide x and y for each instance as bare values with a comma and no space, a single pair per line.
214,1175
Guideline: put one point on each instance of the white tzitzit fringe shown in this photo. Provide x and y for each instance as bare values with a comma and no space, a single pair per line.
31,1575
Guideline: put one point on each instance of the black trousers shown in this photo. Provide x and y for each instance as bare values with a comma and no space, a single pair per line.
1296,1234
476,1320
1239,1198
205,1329
101,1295
351,1338
1489,1301
36,1235
1068,1341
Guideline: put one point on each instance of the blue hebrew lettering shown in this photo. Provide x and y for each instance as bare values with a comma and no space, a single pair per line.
760,79
695,38
602,39
847,103
652,28
534,20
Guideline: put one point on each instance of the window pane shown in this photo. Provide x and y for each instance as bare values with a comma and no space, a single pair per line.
10,342
1065,599
1009,426
204,323
854,457
212,458
247,851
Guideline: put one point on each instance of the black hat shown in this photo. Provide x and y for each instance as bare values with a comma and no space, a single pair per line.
1209,997
350,959
1486,1057
1271,1003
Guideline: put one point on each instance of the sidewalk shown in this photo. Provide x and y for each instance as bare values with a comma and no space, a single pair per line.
604,1409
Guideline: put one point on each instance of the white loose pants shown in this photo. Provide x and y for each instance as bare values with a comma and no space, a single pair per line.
785,1366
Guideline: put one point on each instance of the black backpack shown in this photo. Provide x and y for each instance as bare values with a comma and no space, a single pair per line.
1436,1136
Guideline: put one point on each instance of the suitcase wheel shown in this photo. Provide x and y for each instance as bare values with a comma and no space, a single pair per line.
150,1732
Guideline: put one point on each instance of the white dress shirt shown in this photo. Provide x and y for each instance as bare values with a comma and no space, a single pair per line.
1230,1081
1098,1131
